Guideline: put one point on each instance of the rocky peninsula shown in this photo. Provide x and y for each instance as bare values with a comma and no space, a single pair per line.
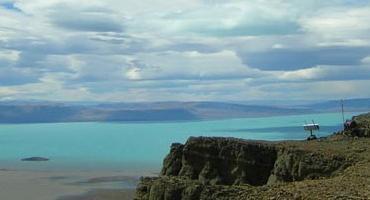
208,168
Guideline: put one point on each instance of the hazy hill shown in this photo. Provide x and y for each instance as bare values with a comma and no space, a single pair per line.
43,111
19,112
335,105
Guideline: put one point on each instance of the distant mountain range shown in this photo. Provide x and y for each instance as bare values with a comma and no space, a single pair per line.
42,111
333,106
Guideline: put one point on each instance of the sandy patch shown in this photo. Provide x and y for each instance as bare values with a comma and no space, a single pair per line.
52,185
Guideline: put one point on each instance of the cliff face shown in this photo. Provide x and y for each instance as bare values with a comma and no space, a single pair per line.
221,161
217,167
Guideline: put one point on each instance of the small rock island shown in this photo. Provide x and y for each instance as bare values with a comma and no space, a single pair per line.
211,168
35,159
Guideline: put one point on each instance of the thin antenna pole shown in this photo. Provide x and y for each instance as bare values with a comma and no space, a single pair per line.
342,110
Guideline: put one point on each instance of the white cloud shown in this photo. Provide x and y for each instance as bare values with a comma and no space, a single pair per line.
189,65
48,88
134,73
340,26
9,55
366,60
325,73
196,49
302,74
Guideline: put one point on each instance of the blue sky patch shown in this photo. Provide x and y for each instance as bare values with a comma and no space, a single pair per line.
10,6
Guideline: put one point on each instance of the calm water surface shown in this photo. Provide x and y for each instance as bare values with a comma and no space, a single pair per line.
136,146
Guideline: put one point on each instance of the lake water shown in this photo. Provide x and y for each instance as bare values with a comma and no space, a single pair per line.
136,146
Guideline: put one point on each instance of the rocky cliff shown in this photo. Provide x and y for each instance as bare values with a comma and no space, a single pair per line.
221,161
359,126
229,168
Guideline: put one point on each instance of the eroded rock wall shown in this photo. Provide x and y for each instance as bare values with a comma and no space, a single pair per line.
193,169
225,161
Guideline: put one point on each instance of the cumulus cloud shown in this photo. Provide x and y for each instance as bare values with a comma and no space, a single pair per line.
199,50
340,26
327,73
189,65
237,18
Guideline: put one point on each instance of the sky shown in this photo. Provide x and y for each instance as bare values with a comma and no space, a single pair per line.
184,50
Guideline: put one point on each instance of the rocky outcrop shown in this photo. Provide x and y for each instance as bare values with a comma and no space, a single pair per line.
296,165
35,159
359,126
221,161
221,165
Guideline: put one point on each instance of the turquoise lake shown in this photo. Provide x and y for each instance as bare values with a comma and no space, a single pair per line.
137,146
